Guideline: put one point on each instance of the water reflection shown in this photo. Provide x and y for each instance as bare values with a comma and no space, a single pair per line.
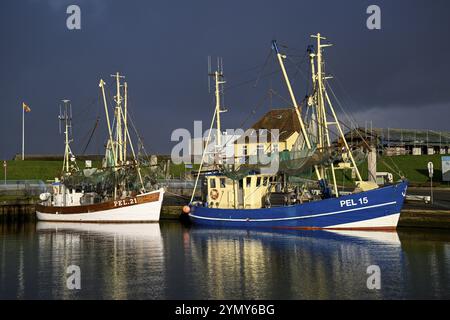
115,259
170,261
291,264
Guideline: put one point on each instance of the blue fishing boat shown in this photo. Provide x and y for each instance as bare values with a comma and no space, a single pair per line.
377,209
303,192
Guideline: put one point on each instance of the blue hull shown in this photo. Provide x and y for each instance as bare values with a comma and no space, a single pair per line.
377,209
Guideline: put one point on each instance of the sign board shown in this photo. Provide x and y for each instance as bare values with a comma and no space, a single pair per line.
446,168
430,169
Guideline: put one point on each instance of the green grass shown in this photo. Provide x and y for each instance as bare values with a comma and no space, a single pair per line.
179,170
50,169
414,168
35,169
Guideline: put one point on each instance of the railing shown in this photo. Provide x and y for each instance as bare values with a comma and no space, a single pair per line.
22,188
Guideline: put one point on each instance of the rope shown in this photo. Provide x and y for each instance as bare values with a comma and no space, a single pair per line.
397,170
203,155
177,195
90,137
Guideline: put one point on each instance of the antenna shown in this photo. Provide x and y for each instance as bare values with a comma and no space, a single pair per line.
59,119
209,74
65,115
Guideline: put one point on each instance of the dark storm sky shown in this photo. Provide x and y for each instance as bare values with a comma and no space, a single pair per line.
397,76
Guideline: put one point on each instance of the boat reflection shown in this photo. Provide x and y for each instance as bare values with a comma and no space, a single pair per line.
113,258
388,238
172,261
286,264
136,230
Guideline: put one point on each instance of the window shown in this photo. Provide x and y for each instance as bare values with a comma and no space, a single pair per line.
212,183
260,149
241,184
249,182
265,181
222,182
244,154
258,181
259,153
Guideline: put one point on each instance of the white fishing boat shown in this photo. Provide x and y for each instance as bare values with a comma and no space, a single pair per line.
144,207
117,192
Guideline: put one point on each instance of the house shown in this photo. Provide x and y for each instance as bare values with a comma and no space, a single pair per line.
260,137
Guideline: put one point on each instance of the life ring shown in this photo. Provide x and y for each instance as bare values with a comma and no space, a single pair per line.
214,194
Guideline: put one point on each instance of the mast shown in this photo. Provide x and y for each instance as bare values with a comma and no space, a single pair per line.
322,97
125,124
118,115
66,116
111,141
218,79
294,101
291,92
127,136
322,127
219,129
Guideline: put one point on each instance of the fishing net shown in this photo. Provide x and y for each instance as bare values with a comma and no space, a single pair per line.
104,180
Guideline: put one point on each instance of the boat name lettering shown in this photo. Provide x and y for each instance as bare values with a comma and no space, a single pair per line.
126,202
354,202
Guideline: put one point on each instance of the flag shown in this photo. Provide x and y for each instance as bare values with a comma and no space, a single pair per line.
26,107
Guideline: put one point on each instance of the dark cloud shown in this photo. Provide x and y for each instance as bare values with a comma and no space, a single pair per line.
392,75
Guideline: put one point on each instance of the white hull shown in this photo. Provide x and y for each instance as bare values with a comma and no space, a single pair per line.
141,212
386,222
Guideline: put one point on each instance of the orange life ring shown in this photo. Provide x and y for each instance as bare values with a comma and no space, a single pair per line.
214,194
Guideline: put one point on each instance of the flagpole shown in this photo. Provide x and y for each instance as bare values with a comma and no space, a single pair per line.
23,133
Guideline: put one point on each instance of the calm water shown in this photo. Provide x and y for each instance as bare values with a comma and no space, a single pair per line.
171,261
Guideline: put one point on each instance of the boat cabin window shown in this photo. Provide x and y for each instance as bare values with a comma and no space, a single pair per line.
222,182
212,183
265,181
249,182
244,154
258,181
259,150
241,184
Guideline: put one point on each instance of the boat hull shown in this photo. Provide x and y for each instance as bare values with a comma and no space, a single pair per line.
142,208
377,209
